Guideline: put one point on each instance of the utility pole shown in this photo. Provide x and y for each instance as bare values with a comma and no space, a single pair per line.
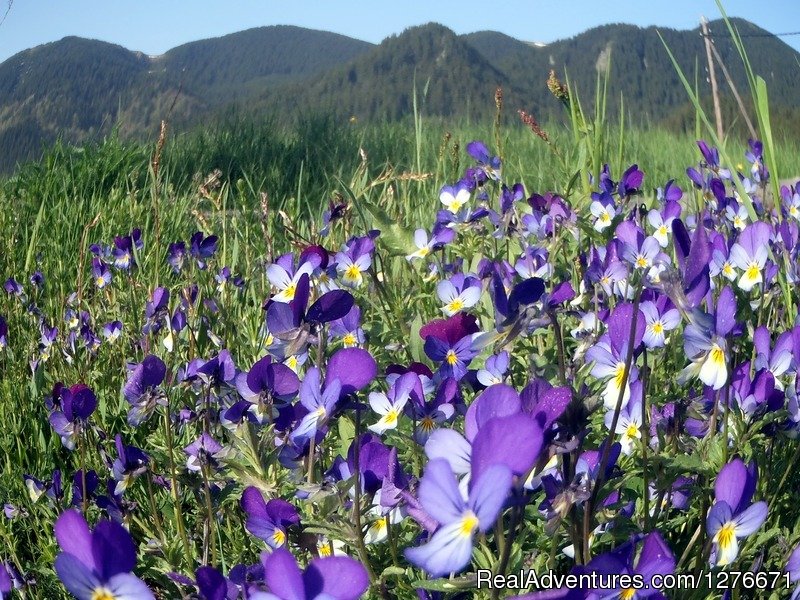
712,77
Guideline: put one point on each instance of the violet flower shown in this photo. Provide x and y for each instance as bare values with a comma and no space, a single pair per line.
450,547
329,578
97,565
733,516
268,521
750,254
131,462
101,273
141,390
77,404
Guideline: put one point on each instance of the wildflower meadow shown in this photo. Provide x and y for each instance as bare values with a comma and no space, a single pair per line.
432,382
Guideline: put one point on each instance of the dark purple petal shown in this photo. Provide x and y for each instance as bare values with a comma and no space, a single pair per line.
73,535
513,441
620,324
726,311
696,270
452,329
655,558
283,576
499,400
353,367
339,577
330,306
730,484
113,549
211,583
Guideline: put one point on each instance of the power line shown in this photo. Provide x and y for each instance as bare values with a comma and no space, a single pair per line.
752,35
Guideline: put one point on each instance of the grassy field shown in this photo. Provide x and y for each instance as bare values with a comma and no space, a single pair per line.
267,198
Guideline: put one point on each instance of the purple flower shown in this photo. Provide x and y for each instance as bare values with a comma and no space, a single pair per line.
112,331
348,328
101,273
3,332
333,577
491,165
450,548
141,390
750,254
204,451
320,403
202,248
458,292
131,462
266,384
732,516
659,320
283,275
391,406
77,404
176,255
268,521
705,345
611,350
97,565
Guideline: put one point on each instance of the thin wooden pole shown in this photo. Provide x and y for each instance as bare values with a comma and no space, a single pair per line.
736,95
712,77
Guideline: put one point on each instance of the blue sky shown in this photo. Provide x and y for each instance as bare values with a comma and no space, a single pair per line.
154,26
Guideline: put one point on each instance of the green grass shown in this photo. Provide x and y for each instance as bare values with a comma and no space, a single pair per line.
52,210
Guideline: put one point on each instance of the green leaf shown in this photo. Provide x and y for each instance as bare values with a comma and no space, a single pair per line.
415,343
395,238
467,582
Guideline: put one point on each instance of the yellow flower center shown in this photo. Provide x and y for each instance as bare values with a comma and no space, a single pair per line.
380,525
451,358
725,535
349,340
325,550
627,594
424,251
352,273
737,222
391,417
727,269
717,355
632,431
753,271
619,375
278,537
290,291
642,262
455,306
793,211
657,328
99,281
605,218
662,230
469,523
291,362
102,594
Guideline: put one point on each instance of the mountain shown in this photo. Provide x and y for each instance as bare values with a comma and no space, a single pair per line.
451,75
241,64
641,70
81,89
